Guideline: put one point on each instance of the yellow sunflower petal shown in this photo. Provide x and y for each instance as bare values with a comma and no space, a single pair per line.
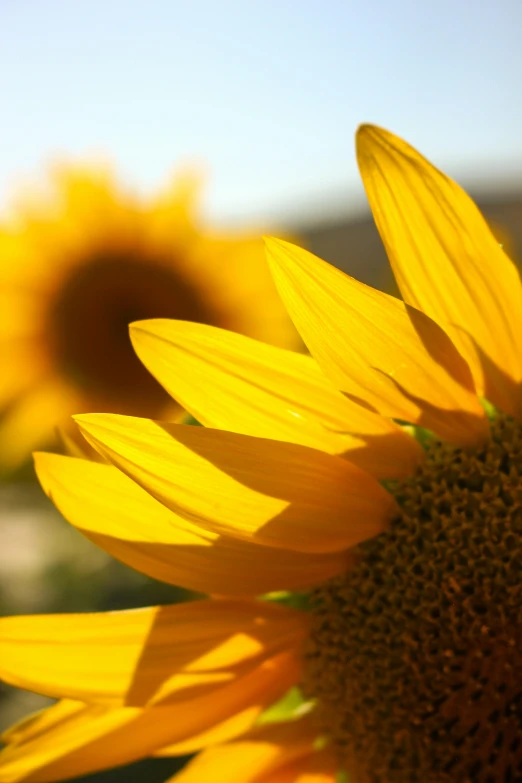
392,358
87,739
174,210
229,728
261,390
47,720
319,767
120,517
82,739
38,722
446,261
237,706
279,494
248,759
146,656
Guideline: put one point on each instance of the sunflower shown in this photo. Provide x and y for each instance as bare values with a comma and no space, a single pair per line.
78,265
355,516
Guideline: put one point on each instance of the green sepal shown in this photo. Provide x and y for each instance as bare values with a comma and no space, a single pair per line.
292,705
189,419
294,600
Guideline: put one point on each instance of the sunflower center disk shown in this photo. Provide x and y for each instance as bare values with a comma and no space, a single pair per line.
89,322
416,654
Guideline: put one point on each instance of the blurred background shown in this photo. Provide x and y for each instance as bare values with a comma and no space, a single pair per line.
259,100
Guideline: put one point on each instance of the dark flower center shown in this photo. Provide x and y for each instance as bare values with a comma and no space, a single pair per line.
89,322
416,653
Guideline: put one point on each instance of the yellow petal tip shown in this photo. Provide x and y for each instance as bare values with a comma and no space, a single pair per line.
274,246
364,128
270,241
367,133
86,420
79,417
143,326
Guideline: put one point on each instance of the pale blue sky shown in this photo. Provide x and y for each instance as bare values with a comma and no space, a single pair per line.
267,92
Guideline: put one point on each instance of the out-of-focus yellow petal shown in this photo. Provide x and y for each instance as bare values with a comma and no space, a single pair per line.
82,739
81,244
70,445
174,211
392,358
260,752
280,494
239,283
74,445
120,517
20,312
232,382
30,422
446,261
145,656
22,370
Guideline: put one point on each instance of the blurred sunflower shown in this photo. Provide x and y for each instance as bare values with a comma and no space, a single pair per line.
399,545
78,265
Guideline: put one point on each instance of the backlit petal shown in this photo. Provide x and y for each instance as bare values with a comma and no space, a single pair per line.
446,261
120,517
279,494
257,389
85,738
392,358
145,656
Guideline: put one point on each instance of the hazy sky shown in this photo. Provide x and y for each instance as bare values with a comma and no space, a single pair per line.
267,92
